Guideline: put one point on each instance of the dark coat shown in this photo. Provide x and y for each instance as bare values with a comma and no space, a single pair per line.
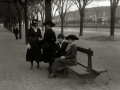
49,39
48,45
70,59
15,31
35,52
60,51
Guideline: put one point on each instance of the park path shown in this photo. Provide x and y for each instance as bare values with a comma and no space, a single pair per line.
15,72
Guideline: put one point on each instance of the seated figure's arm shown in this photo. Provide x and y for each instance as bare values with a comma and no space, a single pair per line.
73,53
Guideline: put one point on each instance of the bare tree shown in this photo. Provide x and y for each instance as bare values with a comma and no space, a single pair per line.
81,4
34,6
63,7
41,10
113,6
54,8
30,13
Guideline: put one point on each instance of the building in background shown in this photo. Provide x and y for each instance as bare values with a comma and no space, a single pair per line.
91,17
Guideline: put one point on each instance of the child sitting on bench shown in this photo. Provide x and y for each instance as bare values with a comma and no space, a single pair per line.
69,59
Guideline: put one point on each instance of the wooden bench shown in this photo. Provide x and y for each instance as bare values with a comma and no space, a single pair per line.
88,70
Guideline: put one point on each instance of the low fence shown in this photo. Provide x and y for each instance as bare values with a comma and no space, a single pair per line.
88,25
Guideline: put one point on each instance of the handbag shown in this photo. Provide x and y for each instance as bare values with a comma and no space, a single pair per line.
28,55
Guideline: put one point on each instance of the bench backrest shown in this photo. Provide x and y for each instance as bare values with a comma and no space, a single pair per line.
86,51
89,52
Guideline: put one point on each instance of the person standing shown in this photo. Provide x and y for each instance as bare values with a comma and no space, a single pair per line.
34,50
15,31
48,43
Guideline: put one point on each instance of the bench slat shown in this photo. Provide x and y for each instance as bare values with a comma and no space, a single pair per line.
100,70
83,50
95,69
79,70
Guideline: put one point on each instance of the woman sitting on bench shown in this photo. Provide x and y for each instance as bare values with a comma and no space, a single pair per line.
69,59
60,47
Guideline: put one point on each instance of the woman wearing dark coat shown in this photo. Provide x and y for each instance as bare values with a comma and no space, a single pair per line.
34,50
48,43
69,59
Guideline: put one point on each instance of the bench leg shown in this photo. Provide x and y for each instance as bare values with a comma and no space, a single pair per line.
66,71
88,78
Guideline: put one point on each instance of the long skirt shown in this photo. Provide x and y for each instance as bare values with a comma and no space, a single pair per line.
60,64
34,54
48,55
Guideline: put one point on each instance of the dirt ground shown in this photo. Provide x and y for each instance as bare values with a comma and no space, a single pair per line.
16,75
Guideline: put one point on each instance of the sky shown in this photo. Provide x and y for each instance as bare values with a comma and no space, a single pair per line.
94,4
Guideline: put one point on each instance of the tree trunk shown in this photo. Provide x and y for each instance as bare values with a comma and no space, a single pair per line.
14,21
12,24
62,19
26,24
9,25
81,22
20,32
48,10
112,27
96,25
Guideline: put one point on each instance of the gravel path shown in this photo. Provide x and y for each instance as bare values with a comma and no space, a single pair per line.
16,75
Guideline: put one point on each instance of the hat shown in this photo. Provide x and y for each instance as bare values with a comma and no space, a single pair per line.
61,36
34,21
73,37
49,23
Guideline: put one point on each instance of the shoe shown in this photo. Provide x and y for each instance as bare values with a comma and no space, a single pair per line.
49,75
50,70
38,66
53,75
31,67
47,68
